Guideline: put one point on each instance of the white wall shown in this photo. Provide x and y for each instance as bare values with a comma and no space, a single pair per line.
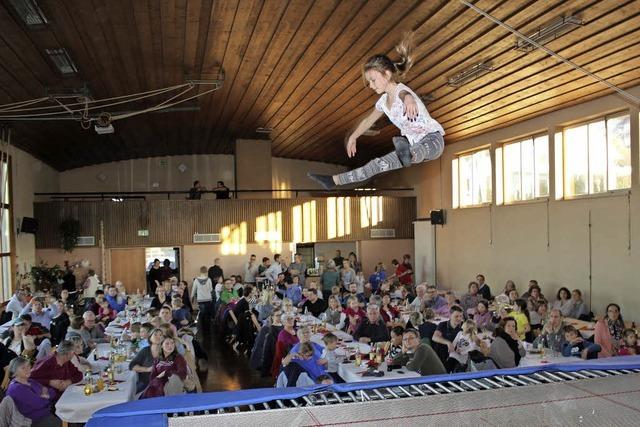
510,242
29,175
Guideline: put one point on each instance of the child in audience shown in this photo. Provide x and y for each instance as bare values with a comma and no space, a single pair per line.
483,317
228,294
466,341
354,314
106,313
180,315
395,349
145,330
133,334
329,353
576,346
521,315
630,343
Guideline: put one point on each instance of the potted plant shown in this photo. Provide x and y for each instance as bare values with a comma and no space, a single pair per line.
69,231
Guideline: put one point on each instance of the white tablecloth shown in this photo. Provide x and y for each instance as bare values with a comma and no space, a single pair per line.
75,407
535,359
352,373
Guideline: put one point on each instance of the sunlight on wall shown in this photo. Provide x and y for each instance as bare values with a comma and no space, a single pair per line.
371,211
304,222
269,231
234,239
338,217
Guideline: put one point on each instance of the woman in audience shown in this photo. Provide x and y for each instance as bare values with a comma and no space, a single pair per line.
521,316
395,349
18,342
609,330
142,362
265,307
563,301
183,292
534,297
482,316
389,312
354,314
334,315
579,310
32,399
429,326
288,307
347,274
287,338
265,344
513,296
506,349
160,299
469,301
168,363
538,318
354,263
629,345
106,314
508,287
78,361
59,324
329,278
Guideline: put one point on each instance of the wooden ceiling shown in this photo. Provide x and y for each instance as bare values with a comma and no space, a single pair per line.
294,66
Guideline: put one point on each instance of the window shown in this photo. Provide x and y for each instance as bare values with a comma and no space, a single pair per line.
5,227
522,170
471,178
597,156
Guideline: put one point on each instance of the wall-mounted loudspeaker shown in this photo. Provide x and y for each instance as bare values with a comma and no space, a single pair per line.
437,217
29,225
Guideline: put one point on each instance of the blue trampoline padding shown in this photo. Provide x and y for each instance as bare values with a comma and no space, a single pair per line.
152,412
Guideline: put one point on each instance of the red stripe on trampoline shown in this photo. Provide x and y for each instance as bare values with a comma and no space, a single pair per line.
460,411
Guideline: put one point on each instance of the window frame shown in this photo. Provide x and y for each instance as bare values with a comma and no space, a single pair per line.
499,167
6,158
456,199
588,195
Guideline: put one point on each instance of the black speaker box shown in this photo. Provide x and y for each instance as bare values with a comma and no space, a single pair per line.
437,217
29,225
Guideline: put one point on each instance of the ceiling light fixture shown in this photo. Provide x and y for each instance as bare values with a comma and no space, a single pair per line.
29,12
554,29
60,57
469,74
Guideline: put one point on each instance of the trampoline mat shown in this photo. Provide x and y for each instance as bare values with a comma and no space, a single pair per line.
610,401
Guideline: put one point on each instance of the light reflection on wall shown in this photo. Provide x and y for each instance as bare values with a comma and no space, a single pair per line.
234,239
304,222
269,231
338,217
371,211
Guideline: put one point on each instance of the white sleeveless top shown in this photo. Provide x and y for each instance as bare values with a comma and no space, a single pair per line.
413,131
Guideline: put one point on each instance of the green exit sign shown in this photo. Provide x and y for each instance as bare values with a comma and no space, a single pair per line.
143,233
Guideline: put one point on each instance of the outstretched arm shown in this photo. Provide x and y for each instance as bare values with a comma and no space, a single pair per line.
364,125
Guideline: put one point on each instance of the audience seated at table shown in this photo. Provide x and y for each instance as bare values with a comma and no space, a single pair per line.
507,349
563,301
306,361
313,304
142,362
608,333
418,357
629,346
576,346
372,328
32,399
39,315
446,332
57,370
60,323
579,309
264,346
78,360
552,334
168,373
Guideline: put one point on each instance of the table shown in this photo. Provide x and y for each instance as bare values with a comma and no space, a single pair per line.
353,374
534,359
75,407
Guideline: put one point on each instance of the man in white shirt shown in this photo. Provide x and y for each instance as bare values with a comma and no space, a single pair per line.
421,292
250,270
16,304
276,268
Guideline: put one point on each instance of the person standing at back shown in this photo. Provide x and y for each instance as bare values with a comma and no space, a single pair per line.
250,270
205,297
483,288
215,271
338,259
298,268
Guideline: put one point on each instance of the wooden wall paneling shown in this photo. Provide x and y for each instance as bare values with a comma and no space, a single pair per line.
128,265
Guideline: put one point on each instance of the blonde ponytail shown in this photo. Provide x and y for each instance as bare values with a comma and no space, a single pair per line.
404,50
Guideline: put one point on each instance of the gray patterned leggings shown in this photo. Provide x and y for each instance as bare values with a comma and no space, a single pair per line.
428,148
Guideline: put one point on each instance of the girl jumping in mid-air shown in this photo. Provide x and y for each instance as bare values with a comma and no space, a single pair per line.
421,138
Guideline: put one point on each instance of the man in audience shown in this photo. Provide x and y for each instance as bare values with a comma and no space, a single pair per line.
16,304
313,304
372,328
116,302
56,370
404,271
195,193
483,288
353,292
93,333
250,270
446,332
215,271
420,299
221,190
274,269
298,268
338,259
552,335
266,263
38,313
434,301
418,357
291,291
